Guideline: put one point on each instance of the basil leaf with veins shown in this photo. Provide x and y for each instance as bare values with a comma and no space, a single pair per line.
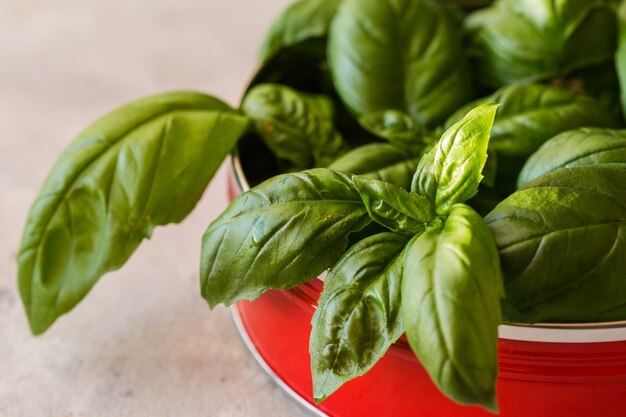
405,55
451,290
358,313
143,165
380,161
451,171
283,232
531,114
562,243
394,207
586,146
293,128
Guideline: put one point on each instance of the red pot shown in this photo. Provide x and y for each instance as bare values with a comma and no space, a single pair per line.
545,370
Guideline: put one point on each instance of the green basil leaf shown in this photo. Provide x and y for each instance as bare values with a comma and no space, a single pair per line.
451,290
291,127
586,146
380,161
145,164
281,233
394,207
358,313
531,114
301,21
397,128
562,243
451,171
532,40
405,55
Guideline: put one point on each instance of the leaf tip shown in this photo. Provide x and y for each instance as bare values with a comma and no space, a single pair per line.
39,323
490,403
318,395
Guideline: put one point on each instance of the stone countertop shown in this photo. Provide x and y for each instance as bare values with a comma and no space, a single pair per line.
143,342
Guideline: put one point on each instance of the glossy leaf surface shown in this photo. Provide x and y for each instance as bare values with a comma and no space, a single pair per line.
562,242
451,290
358,314
279,234
451,171
586,146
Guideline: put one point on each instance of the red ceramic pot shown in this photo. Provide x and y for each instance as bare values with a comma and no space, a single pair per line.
545,370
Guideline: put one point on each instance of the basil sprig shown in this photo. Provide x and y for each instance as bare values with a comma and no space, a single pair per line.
447,274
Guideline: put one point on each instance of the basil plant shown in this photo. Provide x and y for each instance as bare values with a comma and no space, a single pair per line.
451,168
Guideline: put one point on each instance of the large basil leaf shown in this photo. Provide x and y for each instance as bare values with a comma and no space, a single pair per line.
301,21
398,128
451,171
531,114
146,164
586,146
291,127
381,161
281,233
451,290
531,40
358,313
562,242
394,207
399,54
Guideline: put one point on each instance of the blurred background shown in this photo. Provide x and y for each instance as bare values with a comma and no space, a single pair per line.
143,342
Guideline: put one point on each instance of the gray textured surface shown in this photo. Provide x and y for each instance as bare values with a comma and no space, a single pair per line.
143,342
